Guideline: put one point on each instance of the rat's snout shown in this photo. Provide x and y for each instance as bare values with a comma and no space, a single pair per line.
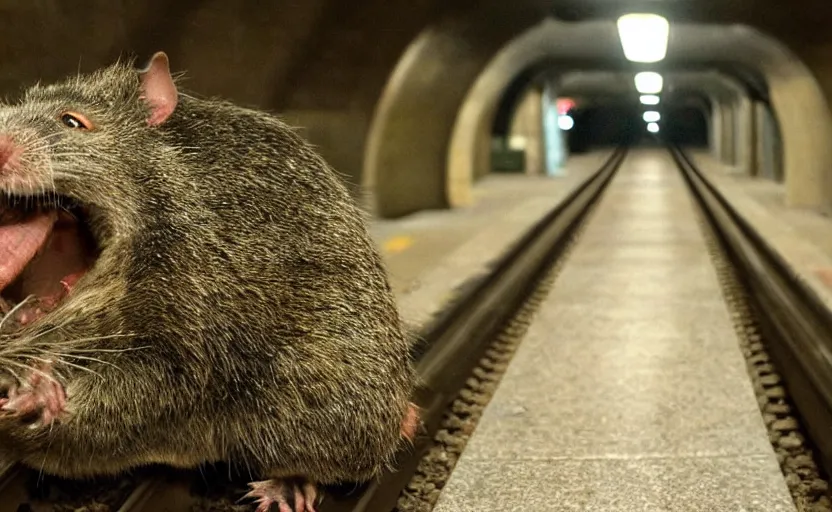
9,153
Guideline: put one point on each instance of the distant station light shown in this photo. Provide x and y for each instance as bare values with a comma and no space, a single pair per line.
565,122
653,127
651,116
643,37
649,82
649,99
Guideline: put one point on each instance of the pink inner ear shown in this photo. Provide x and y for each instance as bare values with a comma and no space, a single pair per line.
158,89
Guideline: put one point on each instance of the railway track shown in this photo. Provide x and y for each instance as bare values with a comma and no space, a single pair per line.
452,346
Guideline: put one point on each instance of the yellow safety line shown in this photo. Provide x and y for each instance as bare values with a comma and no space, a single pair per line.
397,244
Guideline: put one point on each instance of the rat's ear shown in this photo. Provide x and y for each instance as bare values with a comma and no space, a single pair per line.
158,89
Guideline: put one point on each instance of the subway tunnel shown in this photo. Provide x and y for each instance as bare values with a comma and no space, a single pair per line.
619,270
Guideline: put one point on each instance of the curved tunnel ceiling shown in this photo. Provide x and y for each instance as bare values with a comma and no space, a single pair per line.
751,80
602,87
616,87
445,172
707,92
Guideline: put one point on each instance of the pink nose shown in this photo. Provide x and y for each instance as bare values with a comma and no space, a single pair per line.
9,153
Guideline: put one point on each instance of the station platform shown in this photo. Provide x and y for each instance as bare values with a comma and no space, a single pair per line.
800,237
629,391
431,254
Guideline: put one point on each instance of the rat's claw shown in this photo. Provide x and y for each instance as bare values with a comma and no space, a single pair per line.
411,422
39,395
289,496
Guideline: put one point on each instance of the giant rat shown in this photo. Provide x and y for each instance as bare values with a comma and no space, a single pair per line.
186,281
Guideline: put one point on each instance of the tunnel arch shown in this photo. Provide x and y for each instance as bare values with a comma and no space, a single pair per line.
513,95
464,83
687,125
406,144
468,148
605,89
700,101
734,136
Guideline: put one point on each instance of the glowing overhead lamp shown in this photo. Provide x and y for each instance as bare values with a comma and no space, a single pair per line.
651,116
643,37
653,127
649,99
649,82
565,122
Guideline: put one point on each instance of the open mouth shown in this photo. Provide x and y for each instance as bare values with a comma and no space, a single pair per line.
45,247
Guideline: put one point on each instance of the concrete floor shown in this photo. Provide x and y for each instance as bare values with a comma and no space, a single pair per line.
629,391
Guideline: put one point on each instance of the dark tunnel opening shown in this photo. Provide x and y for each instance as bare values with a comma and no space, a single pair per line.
604,126
608,124
686,126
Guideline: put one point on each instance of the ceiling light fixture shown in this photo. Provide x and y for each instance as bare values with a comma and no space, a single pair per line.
643,37
649,99
649,82
651,116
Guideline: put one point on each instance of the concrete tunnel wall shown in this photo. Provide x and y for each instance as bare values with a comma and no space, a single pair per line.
793,91
404,166
720,125
527,122
616,89
712,105
751,122
474,112
802,108
769,156
577,84
726,131
733,115
469,152
703,105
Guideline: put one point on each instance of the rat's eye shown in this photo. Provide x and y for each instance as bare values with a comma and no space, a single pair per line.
73,120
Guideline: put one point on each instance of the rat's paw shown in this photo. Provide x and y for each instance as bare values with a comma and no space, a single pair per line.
290,495
39,400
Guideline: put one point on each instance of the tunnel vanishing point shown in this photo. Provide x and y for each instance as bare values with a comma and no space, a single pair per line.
404,98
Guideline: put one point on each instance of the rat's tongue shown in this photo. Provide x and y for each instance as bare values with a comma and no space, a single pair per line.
19,242
61,262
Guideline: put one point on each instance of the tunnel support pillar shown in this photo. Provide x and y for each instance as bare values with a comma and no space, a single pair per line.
767,143
728,127
527,126
717,128
555,145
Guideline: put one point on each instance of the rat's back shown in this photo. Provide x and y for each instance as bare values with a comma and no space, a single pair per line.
300,302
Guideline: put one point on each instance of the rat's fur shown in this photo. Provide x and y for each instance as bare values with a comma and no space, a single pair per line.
239,310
